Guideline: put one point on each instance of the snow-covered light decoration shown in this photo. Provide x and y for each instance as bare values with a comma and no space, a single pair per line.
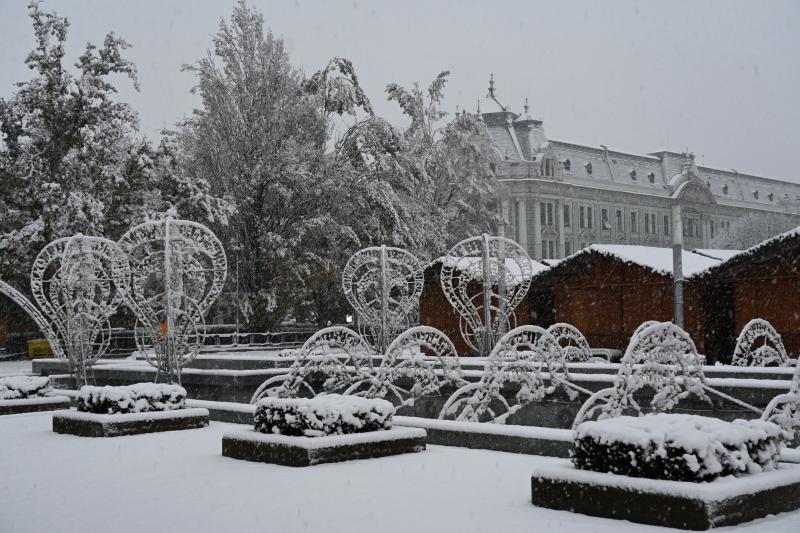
661,357
178,271
78,282
419,362
784,409
383,285
338,353
575,346
484,279
521,357
770,352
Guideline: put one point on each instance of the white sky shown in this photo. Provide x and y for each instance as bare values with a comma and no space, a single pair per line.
720,78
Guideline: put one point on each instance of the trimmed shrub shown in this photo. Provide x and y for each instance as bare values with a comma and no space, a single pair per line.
331,414
138,398
677,447
21,387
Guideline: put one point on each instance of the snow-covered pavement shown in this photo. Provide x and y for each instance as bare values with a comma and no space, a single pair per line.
15,367
179,482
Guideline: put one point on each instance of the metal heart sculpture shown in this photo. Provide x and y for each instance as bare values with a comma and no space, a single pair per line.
383,285
485,278
78,282
178,269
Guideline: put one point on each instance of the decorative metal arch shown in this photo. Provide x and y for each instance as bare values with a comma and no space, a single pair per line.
41,322
419,362
78,282
338,353
660,356
383,285
526,356
765,355
484,279
178,271
575,346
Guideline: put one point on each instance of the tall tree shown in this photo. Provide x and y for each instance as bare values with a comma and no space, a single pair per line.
750,230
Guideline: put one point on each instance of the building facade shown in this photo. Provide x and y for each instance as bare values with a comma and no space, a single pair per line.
558,197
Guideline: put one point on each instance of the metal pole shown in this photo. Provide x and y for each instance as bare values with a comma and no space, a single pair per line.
384,302
677,263
168,348
487,298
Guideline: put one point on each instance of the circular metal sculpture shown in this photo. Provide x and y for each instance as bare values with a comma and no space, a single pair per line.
484,279
419,362
575,346
178,270
770,352
521,357
78,282
338,355
661,357
383,285
784,409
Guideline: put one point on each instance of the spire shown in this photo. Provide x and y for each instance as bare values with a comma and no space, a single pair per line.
525,107
492,95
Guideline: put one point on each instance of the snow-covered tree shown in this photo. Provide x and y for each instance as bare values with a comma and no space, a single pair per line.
70,157
750,230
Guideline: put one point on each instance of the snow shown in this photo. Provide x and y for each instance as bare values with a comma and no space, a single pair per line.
528,432
716,253
15,387
329,441
659,260
46,479
132,417
37,400
719,489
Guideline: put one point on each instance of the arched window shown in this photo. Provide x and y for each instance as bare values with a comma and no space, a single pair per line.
588,167
567,164
633,174
651,177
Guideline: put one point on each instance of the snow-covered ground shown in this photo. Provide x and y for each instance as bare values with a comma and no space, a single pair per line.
179,482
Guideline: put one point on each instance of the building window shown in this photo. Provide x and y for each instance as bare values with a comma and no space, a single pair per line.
620,222
546,214
647,223
589,217
567,164
588,167
605,221
651,177
634,222
551,247
633,174
666,225
548,167
770,196
582,217
725,189
566,216
550,214
712,228
755,194
567,248
544,250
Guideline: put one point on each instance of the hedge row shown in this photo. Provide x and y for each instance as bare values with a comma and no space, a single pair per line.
137,398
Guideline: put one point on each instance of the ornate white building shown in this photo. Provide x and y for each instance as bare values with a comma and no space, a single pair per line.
558,197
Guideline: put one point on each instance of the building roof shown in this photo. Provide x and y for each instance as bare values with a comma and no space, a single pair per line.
769,247
717,253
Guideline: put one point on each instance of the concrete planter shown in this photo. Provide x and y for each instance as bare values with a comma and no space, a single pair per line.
33,405
678,504
115,425
307,451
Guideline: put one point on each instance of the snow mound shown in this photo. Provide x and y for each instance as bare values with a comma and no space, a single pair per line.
331,414
677,446
137,398
21,387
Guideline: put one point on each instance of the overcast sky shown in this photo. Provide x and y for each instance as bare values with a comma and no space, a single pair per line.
720,78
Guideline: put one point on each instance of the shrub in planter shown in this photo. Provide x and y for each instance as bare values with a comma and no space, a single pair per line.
331,414
22,387
138,398
676,446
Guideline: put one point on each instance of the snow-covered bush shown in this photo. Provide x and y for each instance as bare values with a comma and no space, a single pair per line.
137,398
21,387
332,414
677,446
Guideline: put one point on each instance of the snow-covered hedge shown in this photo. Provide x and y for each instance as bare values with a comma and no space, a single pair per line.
21,387
331,414
137,398
676,446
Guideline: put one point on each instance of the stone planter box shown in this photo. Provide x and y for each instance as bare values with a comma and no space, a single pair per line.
307,451
33,405
115,425
678,504
498,437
